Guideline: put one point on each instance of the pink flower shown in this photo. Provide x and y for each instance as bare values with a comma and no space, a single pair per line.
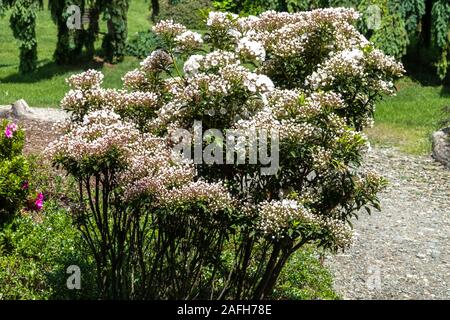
13,127
39,202
10,129
8,133
25,185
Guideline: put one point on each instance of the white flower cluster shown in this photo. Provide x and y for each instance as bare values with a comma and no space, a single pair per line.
212,61
215,195
157,61
347,63
142,99
288,35
287,129
220,20
277,216
288,104
193,64
135,80
355,64
149,169
188,41
90,79
258,83
100,132
212,77
97,99
251,50
245,25
168,29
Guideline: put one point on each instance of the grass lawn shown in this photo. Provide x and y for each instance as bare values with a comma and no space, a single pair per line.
408,119
46,86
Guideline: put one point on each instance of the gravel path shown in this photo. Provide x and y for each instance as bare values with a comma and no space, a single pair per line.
402,252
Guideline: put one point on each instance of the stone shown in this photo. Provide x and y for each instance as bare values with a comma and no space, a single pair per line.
20,109
4,111
441,146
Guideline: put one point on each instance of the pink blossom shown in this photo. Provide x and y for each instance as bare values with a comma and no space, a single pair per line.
39,202
8,133
25,185
10,129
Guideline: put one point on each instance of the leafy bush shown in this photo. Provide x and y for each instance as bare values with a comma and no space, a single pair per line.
246,7
14,170
142,44
34,257
187,12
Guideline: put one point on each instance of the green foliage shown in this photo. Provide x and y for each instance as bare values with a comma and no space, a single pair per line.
34,257
304,5
441,31
411,12
69,45
187,12
408,120
142,44
23,25
114,42
247,7
14,172
305,278
391,35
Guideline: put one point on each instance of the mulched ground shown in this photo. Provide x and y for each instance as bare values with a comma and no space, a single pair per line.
38,135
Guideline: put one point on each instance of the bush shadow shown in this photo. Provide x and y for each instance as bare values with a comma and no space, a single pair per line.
47,69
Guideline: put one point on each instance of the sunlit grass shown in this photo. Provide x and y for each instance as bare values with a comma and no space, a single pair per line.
46,86
408,119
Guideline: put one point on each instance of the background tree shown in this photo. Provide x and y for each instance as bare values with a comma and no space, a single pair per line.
114,42
69,45
23,25
440,13
155,9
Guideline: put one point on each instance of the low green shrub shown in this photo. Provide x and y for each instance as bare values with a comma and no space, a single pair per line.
34,257
14,170
186,12
141,44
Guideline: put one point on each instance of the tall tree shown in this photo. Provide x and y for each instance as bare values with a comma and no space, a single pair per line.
23,25
114,42
155,9
69,45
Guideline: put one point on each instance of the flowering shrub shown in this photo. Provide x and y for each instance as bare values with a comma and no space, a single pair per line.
14,171
214,230
131,187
